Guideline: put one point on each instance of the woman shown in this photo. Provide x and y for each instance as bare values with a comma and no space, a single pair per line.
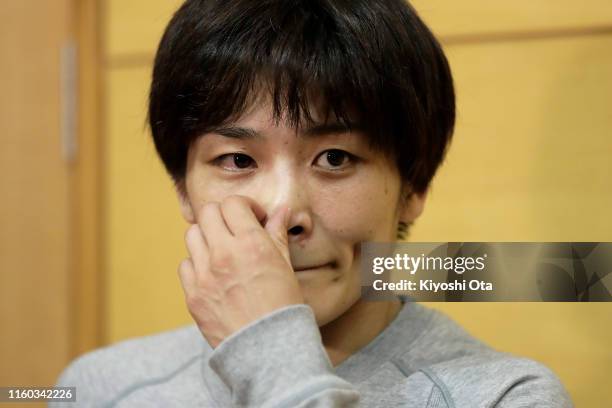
294,131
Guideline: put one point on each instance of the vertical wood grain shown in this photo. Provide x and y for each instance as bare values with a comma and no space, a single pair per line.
35,219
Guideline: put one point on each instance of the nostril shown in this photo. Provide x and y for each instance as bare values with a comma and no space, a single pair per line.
296,230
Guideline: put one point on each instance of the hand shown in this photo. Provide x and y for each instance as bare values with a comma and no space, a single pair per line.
238,271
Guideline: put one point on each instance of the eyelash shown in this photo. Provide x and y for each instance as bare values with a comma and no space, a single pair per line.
351,159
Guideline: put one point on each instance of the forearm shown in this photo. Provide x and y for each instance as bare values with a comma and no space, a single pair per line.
280,361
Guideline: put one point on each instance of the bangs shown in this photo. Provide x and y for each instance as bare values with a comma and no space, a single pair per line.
301,59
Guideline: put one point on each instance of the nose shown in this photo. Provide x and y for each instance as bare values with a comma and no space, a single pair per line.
299,228
285,187
296,230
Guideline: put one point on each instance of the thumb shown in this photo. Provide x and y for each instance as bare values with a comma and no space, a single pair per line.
277,228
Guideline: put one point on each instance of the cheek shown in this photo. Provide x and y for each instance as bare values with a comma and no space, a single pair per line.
363,210
203,188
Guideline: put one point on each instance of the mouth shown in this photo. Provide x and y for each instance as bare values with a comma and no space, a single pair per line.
315,267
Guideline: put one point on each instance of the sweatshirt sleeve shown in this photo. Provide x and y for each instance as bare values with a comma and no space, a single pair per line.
279,361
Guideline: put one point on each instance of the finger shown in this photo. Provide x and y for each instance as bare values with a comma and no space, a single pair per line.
279,222
197,247
277,228
213,227
242,213
187,275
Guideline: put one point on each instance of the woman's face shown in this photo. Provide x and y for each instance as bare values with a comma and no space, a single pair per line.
340,193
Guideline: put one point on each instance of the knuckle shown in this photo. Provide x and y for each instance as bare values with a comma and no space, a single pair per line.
189,232
194,301
225,281
221,261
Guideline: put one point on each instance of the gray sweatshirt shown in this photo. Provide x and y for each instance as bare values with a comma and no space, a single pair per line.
422,359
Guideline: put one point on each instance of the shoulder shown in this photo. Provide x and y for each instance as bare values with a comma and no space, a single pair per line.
441,338
498,379
466,369
102,373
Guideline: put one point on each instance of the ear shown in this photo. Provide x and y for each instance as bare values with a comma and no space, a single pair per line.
185,205
412,205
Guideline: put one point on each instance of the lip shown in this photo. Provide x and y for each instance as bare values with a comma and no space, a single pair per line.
311,268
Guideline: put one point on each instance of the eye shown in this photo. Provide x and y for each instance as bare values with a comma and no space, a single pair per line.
336,158
234,161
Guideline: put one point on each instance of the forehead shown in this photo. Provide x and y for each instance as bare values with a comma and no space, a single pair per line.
259,123
264,107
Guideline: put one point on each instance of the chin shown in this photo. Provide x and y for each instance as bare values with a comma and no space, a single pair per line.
331,302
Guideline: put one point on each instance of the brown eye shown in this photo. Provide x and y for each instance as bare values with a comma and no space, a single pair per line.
234,161
242,161
334,158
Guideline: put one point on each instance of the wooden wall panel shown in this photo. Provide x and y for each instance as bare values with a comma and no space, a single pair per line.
87,280
530,159
144,229
34,189
469,17
135,26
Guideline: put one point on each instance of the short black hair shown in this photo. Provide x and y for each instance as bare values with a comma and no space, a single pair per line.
370,61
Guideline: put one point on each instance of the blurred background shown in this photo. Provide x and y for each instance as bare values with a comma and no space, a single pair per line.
90,229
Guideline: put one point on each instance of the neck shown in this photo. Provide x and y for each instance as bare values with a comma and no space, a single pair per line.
357,327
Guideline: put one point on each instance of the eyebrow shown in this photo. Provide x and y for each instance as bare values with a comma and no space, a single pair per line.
318,130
